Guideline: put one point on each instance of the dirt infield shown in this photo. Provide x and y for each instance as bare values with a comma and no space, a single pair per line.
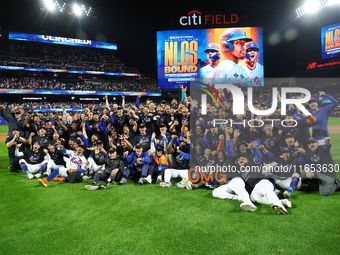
331,129
3,137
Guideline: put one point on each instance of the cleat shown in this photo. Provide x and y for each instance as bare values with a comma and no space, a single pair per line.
38,175
123,181
286,203
30,176
87,177
159,179
104,185
140,181
165,184
91,187
250,207
59,179
277,191
147,180
186,183
287,193
280,209
180,185
43,182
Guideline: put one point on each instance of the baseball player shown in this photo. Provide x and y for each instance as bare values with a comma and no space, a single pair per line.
213,56
34,161
320,127
228,71
253,68
320,166
76,163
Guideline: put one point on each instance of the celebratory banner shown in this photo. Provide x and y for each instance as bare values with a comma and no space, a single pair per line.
330,41
61,40
186,55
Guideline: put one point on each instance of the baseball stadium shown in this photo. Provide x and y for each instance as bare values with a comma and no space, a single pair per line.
131,129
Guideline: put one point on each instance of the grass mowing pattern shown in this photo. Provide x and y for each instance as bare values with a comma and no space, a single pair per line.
133,219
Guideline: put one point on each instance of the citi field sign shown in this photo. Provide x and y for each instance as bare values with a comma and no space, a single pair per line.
196,18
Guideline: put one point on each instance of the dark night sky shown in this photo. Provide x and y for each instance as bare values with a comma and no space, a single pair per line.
133,26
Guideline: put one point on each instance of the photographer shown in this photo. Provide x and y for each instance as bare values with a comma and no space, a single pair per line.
11,144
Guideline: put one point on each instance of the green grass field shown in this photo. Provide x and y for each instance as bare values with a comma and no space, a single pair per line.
133,219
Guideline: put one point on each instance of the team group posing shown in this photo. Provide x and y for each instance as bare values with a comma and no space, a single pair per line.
159,142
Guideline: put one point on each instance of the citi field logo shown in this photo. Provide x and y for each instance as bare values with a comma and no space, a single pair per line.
196,18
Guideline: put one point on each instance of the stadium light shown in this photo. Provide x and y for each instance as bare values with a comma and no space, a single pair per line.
50,5
63,7
77,10
312,6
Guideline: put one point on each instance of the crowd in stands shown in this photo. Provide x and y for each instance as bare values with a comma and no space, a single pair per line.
146,142
119,83
42,55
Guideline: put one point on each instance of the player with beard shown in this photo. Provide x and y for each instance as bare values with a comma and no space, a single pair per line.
320,166
228,71
251,65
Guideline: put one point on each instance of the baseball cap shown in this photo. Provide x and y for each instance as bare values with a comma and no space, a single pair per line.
99,142
17,129
138,146
312,140
240,143
289,135
159,149
285,150
142,125
112,150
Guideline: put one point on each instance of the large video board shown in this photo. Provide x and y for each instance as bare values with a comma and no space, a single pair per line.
330,41
61,40
187,55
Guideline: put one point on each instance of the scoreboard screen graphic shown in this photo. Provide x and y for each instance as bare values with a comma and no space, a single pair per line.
181,54
330,41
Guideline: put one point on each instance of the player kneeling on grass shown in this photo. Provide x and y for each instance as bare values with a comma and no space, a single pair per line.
114,166
159,164
320,166
96,160
76,163
138,166
180,168
55,158
287,171
34,161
